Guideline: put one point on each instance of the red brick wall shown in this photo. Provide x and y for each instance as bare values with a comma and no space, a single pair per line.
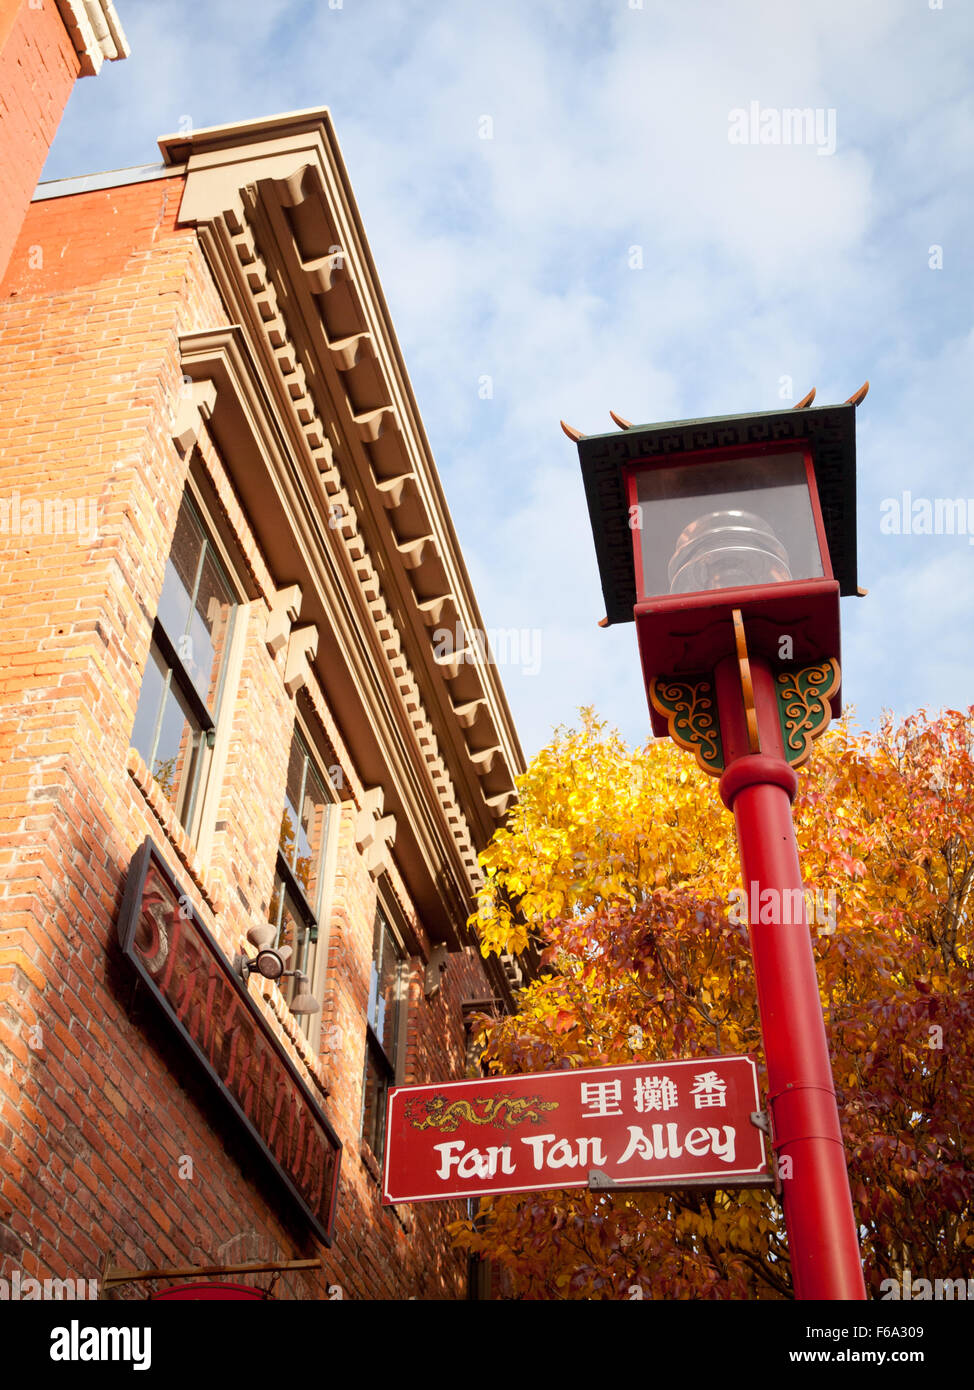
38,68
98,1104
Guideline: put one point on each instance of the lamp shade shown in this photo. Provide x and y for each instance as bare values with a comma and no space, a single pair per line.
827,433
698,520
721,531
304,1001
262,935
725,521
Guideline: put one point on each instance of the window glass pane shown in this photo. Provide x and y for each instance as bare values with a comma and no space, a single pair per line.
375,1089
301,845
289,844
209,624
176,600
304,825
147,712
195,605
384,988
382,1036
375,1009
315,812
277,902
292,931
195,612
177,753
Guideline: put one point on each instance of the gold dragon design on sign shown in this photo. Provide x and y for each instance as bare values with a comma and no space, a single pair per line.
501,1112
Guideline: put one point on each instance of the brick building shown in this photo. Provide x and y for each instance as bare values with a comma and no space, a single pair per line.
45,45
227,723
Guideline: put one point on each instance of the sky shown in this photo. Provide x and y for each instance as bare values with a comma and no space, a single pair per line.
569,214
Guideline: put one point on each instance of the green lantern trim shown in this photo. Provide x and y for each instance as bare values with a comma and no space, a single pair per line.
803,706
690,710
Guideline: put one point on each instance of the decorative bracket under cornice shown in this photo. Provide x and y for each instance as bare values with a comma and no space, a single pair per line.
469,712
324,271
349,352
413,552
284,613
374,833
195,404
373,423
483,758
301,648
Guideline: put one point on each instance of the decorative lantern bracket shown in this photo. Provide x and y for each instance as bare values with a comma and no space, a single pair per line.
690,707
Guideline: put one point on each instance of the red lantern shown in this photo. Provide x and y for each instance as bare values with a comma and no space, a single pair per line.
753,513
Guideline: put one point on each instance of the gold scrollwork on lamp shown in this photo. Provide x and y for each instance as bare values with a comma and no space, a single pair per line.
803,706
690,710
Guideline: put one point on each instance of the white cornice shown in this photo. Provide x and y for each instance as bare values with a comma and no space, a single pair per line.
282,494
95,31
274,200
385,461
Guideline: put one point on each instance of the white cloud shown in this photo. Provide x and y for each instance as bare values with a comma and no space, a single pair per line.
508,258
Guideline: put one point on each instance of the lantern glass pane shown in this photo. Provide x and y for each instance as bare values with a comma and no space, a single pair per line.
725,524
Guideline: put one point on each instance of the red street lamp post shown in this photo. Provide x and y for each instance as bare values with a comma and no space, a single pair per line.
729,541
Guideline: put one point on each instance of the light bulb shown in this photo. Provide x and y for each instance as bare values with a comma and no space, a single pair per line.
727,550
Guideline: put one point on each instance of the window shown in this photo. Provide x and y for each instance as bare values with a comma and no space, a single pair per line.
296,900
382,1031
175,722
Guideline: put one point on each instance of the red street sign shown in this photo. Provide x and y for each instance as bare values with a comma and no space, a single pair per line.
661,1123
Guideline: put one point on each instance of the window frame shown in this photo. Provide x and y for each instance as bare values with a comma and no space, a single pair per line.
388,1069
193,817
315,918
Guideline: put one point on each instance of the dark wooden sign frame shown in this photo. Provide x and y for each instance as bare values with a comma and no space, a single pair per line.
211,1010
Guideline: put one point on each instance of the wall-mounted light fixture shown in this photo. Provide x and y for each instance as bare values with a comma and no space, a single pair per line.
270,962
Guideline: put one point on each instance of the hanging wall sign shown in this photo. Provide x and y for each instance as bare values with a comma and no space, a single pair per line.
191,980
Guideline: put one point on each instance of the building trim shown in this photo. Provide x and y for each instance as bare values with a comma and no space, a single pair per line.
285,245
279,200
277,489
95,31
110,178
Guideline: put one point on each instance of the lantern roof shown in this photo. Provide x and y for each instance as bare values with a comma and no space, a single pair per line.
829,431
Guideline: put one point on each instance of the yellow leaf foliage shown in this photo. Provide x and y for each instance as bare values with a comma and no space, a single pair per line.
618,866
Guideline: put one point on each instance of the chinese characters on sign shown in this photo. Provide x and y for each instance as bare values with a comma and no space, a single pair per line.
651,1093
656,1123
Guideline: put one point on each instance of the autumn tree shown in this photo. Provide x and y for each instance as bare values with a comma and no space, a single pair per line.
619,865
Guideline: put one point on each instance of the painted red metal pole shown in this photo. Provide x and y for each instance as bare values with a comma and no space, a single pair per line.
759,788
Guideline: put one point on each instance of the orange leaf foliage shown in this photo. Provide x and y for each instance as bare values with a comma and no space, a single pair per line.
619,866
